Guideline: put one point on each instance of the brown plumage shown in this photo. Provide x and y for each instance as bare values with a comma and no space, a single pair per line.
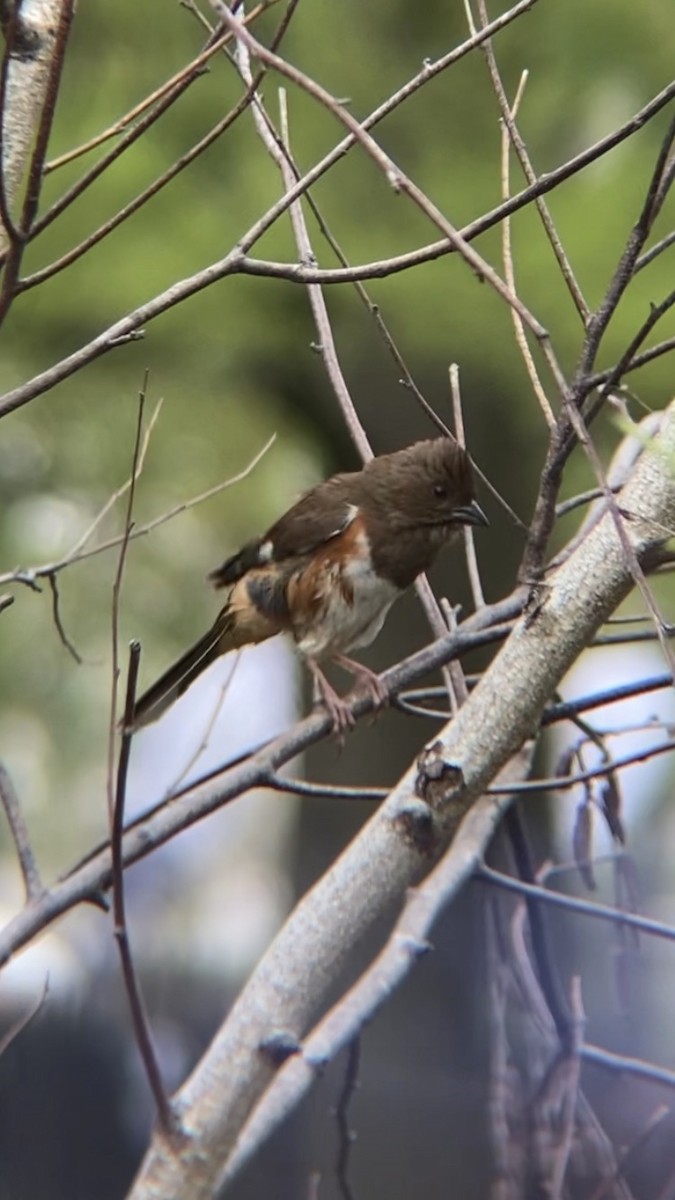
330,568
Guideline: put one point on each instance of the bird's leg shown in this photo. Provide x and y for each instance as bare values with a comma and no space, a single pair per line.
337,708
364,676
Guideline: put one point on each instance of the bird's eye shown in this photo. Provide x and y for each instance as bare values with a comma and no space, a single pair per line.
440,490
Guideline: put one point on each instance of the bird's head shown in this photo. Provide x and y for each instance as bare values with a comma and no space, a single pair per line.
428,484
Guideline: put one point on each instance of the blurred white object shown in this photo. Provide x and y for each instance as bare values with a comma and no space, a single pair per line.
597,671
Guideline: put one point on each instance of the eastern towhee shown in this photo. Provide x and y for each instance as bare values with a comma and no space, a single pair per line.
329,570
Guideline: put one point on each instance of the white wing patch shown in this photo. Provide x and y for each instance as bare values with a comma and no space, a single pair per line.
352,514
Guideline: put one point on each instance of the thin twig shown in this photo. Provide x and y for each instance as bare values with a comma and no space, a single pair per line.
116,592
116,495
144,835
334,371
86,180
237,260
396,178
32,881
645,259
469,544
23,1022
116,803
56,614
585,908
634,362
507,253
204,740
564,782
622,1064
162,180
327,347
30,575
509,119
139,1016
562,710
598,321
303,787
566,506
566,1091
406,945
630,1152
346,1136
188,74
630,358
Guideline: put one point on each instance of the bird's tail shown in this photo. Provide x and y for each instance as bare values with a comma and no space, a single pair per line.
219,639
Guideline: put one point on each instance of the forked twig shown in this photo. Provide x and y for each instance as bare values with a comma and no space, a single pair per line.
75,555
117,785
509,118
56,614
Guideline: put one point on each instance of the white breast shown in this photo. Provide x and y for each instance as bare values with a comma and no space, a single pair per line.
346,623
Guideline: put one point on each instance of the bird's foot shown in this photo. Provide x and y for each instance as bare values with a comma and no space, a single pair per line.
338,710
368,679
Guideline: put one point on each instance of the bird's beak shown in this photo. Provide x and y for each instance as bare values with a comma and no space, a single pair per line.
470,514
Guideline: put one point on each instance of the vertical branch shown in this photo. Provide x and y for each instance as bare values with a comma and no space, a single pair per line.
139,1017
469,544
509,272
117,798
18,829
350,1084
14,146
453,675
56,48
29,29
627,265
509,118
116,591
564,1088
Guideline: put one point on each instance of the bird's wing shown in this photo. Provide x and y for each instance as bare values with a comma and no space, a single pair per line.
319,515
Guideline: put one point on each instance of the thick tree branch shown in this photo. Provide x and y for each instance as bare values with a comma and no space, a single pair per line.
172,816
410,830
406,944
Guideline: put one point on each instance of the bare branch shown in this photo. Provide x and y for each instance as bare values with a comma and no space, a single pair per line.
166,820
237,262
353,1053
586,908
509,118
139,1016
46,58
30,33
56,613
407,943
423,810
77,554
24,1021
24,851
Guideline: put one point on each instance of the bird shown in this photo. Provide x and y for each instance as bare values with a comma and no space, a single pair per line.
328,571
